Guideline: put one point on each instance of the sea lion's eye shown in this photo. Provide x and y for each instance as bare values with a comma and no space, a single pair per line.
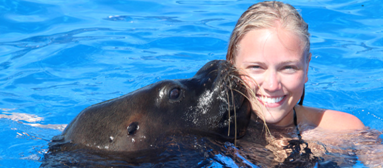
174,93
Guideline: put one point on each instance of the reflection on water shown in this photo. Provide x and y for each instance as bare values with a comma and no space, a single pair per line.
58,57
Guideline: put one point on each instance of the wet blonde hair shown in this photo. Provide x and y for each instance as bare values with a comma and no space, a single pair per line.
264,15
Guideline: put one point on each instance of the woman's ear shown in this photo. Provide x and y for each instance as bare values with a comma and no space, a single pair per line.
307,66
309,57
231,61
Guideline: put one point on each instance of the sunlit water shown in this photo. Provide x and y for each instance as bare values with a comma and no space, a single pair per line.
58,57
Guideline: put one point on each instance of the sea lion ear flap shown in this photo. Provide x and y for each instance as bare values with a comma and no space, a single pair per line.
303,97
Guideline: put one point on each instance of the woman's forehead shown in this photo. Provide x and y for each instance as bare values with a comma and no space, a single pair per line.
271,42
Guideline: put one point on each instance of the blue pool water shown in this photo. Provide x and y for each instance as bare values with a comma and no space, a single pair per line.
58,57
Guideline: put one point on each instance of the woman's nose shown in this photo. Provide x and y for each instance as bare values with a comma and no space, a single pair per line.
271,82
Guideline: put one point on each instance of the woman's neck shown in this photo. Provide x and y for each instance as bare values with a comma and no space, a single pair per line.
287,121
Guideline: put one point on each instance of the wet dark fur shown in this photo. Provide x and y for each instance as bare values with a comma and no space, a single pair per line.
157,117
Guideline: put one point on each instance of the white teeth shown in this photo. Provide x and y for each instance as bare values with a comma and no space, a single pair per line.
271,100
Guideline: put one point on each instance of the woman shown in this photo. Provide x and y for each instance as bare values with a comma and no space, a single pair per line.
270,46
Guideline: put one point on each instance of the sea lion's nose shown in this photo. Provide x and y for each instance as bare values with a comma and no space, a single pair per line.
132,128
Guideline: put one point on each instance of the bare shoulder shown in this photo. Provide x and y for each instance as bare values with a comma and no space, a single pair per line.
341,121
333,120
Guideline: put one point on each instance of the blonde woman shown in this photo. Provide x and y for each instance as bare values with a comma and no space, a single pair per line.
270,46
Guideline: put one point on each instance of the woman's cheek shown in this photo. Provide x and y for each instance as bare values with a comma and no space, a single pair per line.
295,82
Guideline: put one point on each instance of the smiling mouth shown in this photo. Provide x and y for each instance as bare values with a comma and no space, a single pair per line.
270,100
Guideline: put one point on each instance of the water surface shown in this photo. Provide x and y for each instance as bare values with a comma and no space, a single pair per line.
58,57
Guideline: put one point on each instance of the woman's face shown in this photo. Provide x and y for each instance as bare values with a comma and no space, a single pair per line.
273,59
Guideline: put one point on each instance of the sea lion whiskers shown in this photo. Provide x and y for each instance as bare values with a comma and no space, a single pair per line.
252,95
235,118
228,76
228,111
233,74
235,114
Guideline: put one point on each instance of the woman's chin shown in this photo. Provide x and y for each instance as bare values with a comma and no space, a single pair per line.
277,121
272,121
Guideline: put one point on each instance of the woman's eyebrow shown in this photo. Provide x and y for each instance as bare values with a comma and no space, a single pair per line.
254,62
290,61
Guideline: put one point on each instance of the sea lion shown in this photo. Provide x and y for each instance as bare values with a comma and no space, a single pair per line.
211,104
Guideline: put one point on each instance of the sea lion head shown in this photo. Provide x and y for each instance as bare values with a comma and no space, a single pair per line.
211,104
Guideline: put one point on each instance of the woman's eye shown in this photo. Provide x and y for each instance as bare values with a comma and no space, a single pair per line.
254,67
289,69
174,93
